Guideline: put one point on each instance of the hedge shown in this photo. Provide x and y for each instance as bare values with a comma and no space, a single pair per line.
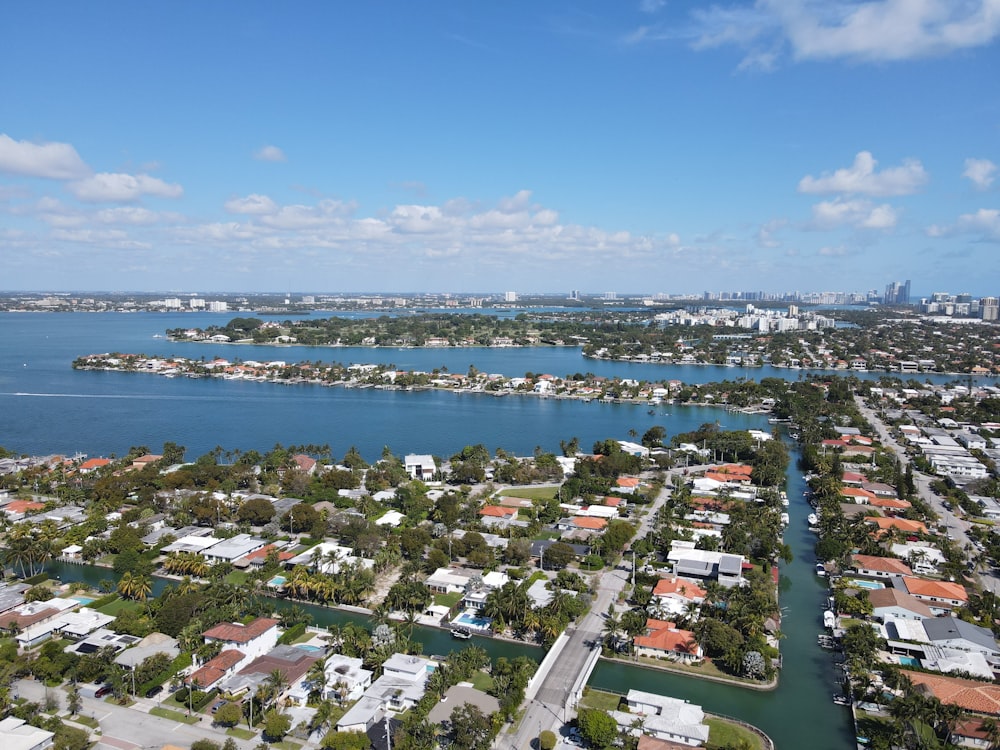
36,579
290,635
104,601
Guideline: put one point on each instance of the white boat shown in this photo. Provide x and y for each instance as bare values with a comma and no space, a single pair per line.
829,619
820,570
813,519
461,632
784,519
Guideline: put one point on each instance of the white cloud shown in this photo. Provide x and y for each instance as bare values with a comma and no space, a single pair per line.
269,153
835,252
985,222
651,6
252,204
861,178
980,171
859,30
858,213
765,235
108,187
54,161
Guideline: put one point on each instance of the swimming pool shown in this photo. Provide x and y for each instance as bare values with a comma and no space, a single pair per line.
861,584
307,647
471,621
84,600
277,581
909,661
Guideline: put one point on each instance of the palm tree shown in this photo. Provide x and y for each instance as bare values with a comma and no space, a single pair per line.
275,683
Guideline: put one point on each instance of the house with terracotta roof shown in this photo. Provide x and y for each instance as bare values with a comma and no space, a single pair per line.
93,464
673,596
665,639
856,495
258,557
940,596
879,567
971,695
890,505
212,672
18,510
589,523
627,485
305,463
903,524
853,478
253,640
497,515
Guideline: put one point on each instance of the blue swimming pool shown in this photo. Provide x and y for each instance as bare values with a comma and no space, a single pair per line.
471,621
84,600
909,661
861,584
307,647
277,581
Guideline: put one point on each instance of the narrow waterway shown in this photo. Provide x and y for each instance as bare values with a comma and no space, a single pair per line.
800,713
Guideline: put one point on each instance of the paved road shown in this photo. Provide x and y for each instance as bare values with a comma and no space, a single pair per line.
132,728
957,528
550,709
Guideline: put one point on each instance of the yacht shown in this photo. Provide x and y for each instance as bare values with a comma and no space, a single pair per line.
813,519
820,569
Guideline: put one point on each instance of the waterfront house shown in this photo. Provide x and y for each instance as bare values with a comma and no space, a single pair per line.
666,719
924,558
673,596
951,632
230,550
215,670
879,567
449,580
690,562
664,639
401,686
459,695
891,602
292,662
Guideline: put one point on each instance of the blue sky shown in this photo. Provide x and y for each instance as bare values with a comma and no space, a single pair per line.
647,146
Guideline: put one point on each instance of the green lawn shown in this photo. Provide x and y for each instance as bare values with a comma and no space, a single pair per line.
532,493
243,734
120,605
286,745
722,733
237,577
482,681
600,700
166,713
448,600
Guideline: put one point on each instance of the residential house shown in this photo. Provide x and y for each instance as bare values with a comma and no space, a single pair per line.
687,561
627,485
292,662
879,567
420,466
19,735
665,639
449,580
211,674
253,640
673,596
895,603
401,686
904,525
941,596
951,632
667,719
923,558
230,550
346,678
971,695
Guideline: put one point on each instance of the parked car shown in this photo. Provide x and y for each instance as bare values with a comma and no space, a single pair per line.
103,691
154,691
218,704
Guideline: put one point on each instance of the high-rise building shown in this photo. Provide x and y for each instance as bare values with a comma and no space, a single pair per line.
897,293
510,296
989,308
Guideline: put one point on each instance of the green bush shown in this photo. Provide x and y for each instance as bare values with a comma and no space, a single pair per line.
36,579
290,635
547,740
104,601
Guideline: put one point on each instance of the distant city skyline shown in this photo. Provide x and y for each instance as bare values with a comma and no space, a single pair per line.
673,146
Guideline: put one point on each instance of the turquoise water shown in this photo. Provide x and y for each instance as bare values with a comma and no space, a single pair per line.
909,661
278,581
84,600
477,622
307,647
860,583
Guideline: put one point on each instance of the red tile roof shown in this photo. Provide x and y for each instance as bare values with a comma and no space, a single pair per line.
680,586
237,633
215,669
590,522
664,636
497,511
972,695
881,564
939,589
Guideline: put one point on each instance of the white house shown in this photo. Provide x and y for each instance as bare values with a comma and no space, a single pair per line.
346,679
253,640
420,466
669,719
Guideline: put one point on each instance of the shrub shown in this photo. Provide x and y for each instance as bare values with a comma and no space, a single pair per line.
547,740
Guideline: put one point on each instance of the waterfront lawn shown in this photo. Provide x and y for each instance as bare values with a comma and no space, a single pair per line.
722,733
600,700
448,600
120,605
482,681
237,578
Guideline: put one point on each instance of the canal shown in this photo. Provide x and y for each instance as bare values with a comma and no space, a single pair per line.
799,713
